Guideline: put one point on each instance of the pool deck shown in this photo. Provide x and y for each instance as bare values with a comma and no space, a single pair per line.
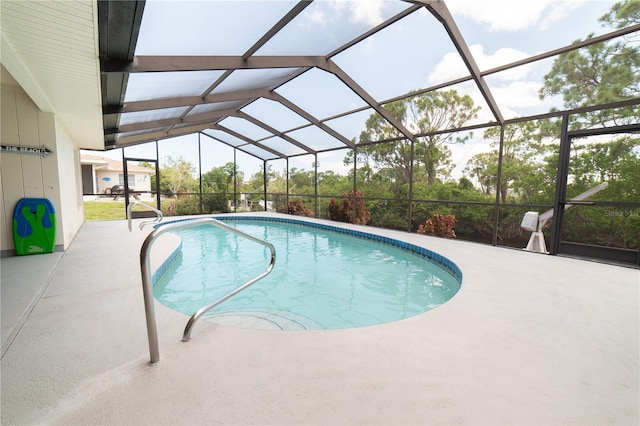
529,339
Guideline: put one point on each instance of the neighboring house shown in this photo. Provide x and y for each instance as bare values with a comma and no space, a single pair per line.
100,174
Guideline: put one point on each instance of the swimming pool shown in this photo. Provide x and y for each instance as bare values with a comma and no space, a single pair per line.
326,277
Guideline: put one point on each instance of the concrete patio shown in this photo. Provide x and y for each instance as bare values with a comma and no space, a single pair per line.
529,339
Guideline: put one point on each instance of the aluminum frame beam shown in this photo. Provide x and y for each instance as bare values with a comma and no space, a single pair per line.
440,11
205,118
235,148
144,63
295,11
334,69
183,101
311,119
157,135
275,132
248,140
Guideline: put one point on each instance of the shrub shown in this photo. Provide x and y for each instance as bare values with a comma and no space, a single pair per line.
169,208
215,203
181,206
441,226
297,208
187,206
342,211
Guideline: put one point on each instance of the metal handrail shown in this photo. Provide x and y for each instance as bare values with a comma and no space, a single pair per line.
147,290
146,222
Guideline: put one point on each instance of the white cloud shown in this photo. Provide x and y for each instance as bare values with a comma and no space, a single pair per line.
513,15
514,99
367,12
451,66
502,56
515,90
316,16
557,11
518,94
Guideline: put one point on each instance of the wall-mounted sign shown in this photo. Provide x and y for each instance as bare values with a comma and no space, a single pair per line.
18,149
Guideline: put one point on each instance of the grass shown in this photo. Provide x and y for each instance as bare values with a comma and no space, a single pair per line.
104,210
108,210
114,210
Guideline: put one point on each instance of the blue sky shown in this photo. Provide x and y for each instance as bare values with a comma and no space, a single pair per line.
412,54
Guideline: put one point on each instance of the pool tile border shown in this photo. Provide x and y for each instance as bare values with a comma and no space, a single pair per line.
166,264
432,256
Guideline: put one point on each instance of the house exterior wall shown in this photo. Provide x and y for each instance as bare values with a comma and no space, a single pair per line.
56,177
70,188
106,179
111,175
142,180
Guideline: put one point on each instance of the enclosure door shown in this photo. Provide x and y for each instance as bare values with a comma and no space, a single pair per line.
601,217
140,186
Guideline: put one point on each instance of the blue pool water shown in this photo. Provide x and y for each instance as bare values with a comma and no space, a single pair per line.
323,279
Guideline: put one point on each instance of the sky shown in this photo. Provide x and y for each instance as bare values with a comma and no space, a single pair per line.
411,54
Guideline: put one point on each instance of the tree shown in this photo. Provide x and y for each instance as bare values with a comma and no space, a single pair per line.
255,184
523,167
439,111
420,114
616,161
623,14
484,167
332,183
176,176
600,73
277,191
219,179
301,181
394,155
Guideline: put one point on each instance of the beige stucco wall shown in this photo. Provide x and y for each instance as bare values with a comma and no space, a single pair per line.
70,189
142,183
102,184
56,177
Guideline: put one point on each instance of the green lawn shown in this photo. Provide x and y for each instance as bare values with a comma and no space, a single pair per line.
104,210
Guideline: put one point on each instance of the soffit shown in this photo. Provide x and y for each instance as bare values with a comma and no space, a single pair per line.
51,49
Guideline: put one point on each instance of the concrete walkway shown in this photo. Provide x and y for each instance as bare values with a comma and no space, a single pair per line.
529,339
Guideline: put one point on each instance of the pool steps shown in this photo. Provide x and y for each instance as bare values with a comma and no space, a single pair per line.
148,278
263,319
